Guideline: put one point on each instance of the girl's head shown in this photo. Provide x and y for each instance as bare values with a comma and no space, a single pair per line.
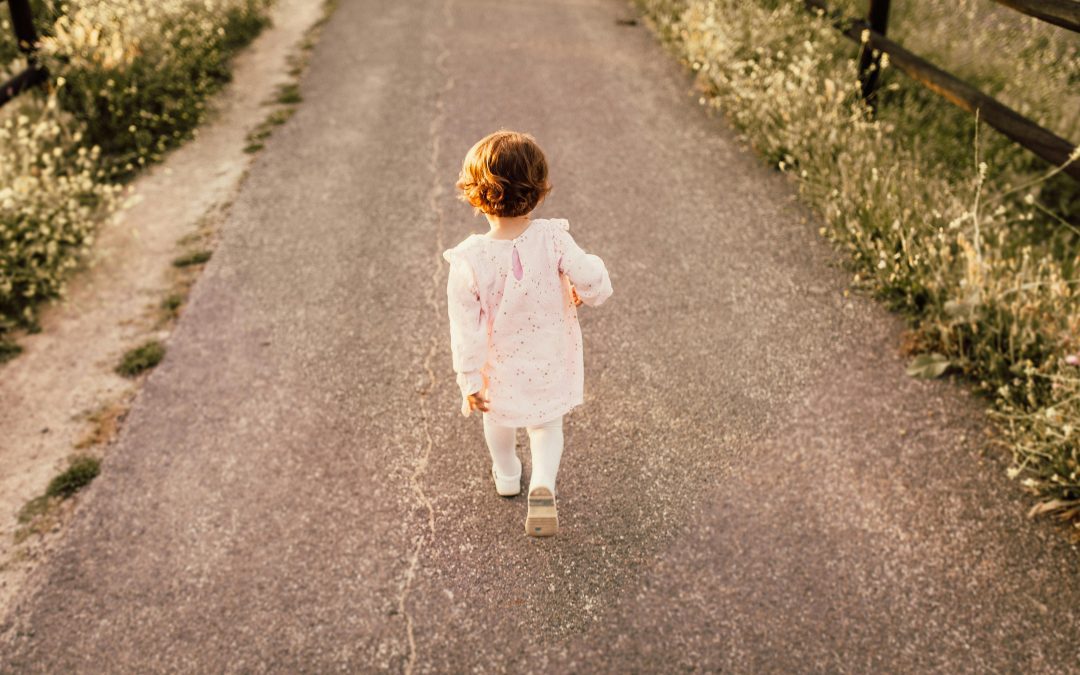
504,174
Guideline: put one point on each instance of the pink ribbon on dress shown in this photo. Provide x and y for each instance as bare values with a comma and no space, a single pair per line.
518,272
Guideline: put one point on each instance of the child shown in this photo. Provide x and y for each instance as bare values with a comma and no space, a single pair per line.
513,295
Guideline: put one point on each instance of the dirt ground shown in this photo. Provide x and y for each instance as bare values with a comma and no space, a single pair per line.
62,391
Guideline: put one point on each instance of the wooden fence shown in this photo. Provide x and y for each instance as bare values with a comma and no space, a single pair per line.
23,23
870,34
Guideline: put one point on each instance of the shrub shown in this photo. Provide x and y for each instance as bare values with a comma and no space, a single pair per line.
975,259
143,357
51,198
129,80
139,73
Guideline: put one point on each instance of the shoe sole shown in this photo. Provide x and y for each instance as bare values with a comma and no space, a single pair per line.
543,519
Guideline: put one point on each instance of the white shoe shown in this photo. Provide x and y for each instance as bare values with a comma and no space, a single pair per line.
507,487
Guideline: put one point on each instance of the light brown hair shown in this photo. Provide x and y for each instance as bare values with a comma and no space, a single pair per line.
505,174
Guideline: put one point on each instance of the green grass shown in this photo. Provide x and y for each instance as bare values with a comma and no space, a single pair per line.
82,470
172,303
261,133
289,93
193,258
37,516
8,350
279,117
141,358
35,508
266,127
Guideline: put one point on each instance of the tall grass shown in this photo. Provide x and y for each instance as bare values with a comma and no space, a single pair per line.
138,73
52,196
943,219
128,81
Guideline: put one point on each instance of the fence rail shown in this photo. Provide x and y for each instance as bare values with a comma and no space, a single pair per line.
22,21
1064,13
1039,140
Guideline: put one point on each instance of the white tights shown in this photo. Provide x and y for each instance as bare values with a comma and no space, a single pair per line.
545,442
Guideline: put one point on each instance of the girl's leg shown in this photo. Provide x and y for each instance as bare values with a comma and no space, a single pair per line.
500,442
546,443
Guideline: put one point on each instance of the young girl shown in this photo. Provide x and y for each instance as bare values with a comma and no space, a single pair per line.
513,295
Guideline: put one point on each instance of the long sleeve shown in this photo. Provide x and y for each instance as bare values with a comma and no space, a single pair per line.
586,271
468,328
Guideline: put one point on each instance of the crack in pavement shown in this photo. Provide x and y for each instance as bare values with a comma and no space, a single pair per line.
436,193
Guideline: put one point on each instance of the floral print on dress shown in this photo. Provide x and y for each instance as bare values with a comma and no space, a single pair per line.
514,332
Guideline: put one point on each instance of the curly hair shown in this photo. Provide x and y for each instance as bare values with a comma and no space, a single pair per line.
505,174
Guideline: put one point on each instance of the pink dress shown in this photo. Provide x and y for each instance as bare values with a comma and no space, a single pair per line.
514,332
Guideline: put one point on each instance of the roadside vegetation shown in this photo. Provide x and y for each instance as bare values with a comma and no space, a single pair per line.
128,81
973,239
40,514
65,157
141,358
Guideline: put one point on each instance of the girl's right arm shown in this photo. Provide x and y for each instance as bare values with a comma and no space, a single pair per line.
586,271
468,331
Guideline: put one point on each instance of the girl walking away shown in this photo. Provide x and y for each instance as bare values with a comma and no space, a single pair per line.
513,295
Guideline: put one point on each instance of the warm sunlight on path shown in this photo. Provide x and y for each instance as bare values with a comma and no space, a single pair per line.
753,485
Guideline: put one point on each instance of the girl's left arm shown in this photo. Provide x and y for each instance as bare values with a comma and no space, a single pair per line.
468,330
587,272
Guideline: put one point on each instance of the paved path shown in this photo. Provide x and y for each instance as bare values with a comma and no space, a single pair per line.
753,484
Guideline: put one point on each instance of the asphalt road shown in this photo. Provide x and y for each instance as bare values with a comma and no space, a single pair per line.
753,484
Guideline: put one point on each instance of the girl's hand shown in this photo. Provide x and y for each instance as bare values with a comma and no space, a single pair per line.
477,402
574,296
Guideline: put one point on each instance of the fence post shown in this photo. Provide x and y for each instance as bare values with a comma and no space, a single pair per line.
23,23
22,20
869,64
